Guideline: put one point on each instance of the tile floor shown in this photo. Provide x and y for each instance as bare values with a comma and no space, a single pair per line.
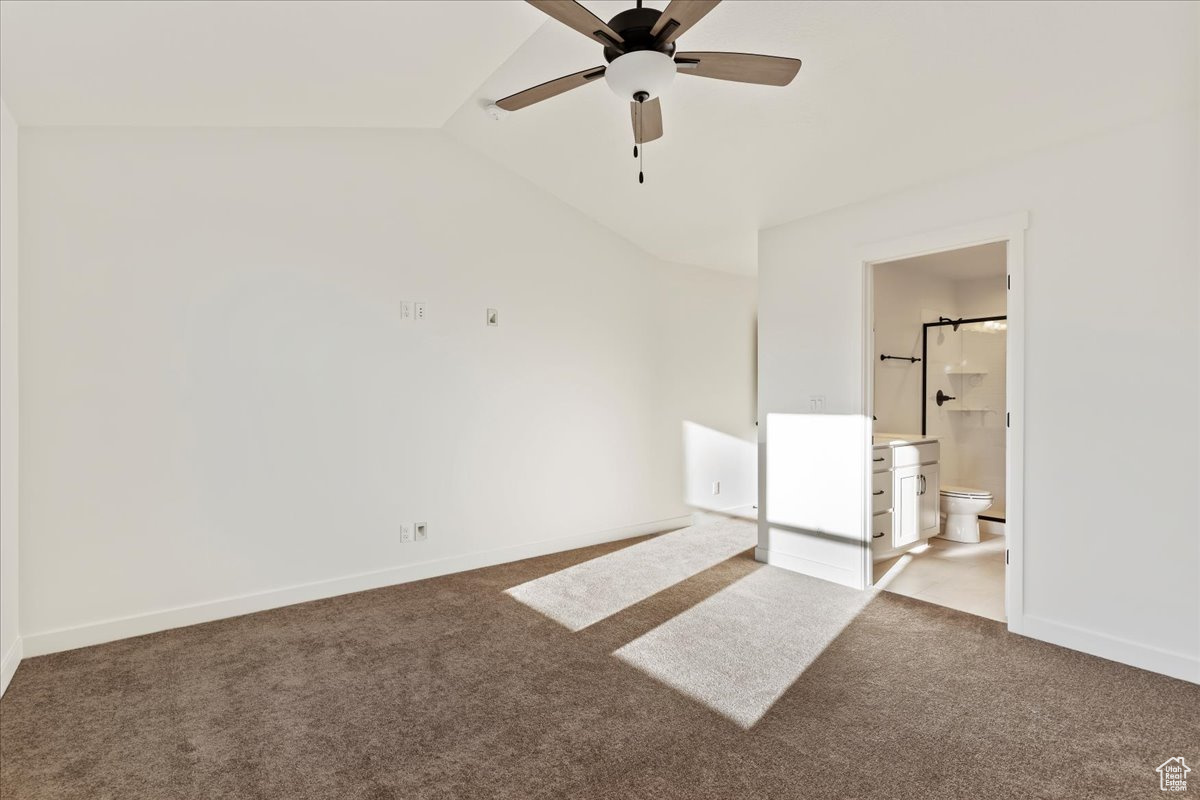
966,577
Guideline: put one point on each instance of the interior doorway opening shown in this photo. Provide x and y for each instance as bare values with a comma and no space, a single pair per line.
939,378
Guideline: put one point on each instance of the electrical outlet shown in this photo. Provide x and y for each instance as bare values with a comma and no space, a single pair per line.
716,487
406,534
816,402
493,317
420,531
418,310
405,310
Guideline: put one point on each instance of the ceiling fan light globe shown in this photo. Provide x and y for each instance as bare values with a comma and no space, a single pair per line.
640,71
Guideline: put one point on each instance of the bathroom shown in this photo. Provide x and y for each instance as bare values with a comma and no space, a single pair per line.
939,406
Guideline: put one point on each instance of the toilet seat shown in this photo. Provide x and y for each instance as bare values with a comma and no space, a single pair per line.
965,491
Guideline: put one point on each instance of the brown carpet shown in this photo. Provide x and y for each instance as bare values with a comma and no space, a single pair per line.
449,688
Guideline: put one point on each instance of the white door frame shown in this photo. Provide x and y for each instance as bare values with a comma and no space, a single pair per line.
1010,229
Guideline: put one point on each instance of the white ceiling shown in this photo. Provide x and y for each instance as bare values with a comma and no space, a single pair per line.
320,63
966,263
891,94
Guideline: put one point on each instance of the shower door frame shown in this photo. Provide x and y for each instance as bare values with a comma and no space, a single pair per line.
925,373
925,357
1009,229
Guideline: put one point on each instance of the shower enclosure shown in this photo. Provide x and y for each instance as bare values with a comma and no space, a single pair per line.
963,386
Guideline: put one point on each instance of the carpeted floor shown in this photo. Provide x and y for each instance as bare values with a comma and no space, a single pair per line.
453,688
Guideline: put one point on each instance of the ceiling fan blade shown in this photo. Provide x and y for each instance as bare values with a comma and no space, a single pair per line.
647,121
678,16
573,15
743,67
544,91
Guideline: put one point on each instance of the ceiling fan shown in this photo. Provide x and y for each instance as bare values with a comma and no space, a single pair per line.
642,60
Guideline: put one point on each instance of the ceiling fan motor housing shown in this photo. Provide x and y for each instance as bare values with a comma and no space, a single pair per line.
634,26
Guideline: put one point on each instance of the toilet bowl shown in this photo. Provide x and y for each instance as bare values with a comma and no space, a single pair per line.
962,506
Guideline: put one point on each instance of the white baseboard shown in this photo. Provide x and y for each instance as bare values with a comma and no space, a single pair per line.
702,515
991,527
9,665
1154,659
808,566
109,630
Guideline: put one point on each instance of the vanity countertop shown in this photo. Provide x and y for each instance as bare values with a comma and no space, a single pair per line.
900,439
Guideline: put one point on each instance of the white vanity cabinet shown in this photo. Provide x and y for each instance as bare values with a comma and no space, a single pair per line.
904,494
906,513
930,501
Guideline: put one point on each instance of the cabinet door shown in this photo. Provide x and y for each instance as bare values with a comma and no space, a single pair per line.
906,506
931,511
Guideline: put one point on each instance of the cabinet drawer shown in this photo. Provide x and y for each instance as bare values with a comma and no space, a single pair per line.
881,459
881,492
881,532
910,455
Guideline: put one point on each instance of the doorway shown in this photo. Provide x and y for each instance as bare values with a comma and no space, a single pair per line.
943,377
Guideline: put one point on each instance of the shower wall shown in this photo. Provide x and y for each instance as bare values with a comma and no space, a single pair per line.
904,298
969,365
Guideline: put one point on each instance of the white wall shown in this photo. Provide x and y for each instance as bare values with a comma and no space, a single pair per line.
221,398
905,297
10,646
981,297
717,440
1111,281
720,469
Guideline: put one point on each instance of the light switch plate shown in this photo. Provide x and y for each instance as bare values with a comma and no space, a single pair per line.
493,317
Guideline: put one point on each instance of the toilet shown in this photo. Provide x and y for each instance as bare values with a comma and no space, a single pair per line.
962,506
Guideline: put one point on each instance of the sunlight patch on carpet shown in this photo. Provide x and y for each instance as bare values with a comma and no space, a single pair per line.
586,593
738,651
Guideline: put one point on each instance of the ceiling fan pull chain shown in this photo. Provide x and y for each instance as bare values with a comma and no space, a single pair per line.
641,158
641,138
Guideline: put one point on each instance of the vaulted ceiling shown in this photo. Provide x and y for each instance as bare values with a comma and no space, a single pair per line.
891,94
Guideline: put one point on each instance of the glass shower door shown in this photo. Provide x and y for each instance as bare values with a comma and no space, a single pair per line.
965,402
